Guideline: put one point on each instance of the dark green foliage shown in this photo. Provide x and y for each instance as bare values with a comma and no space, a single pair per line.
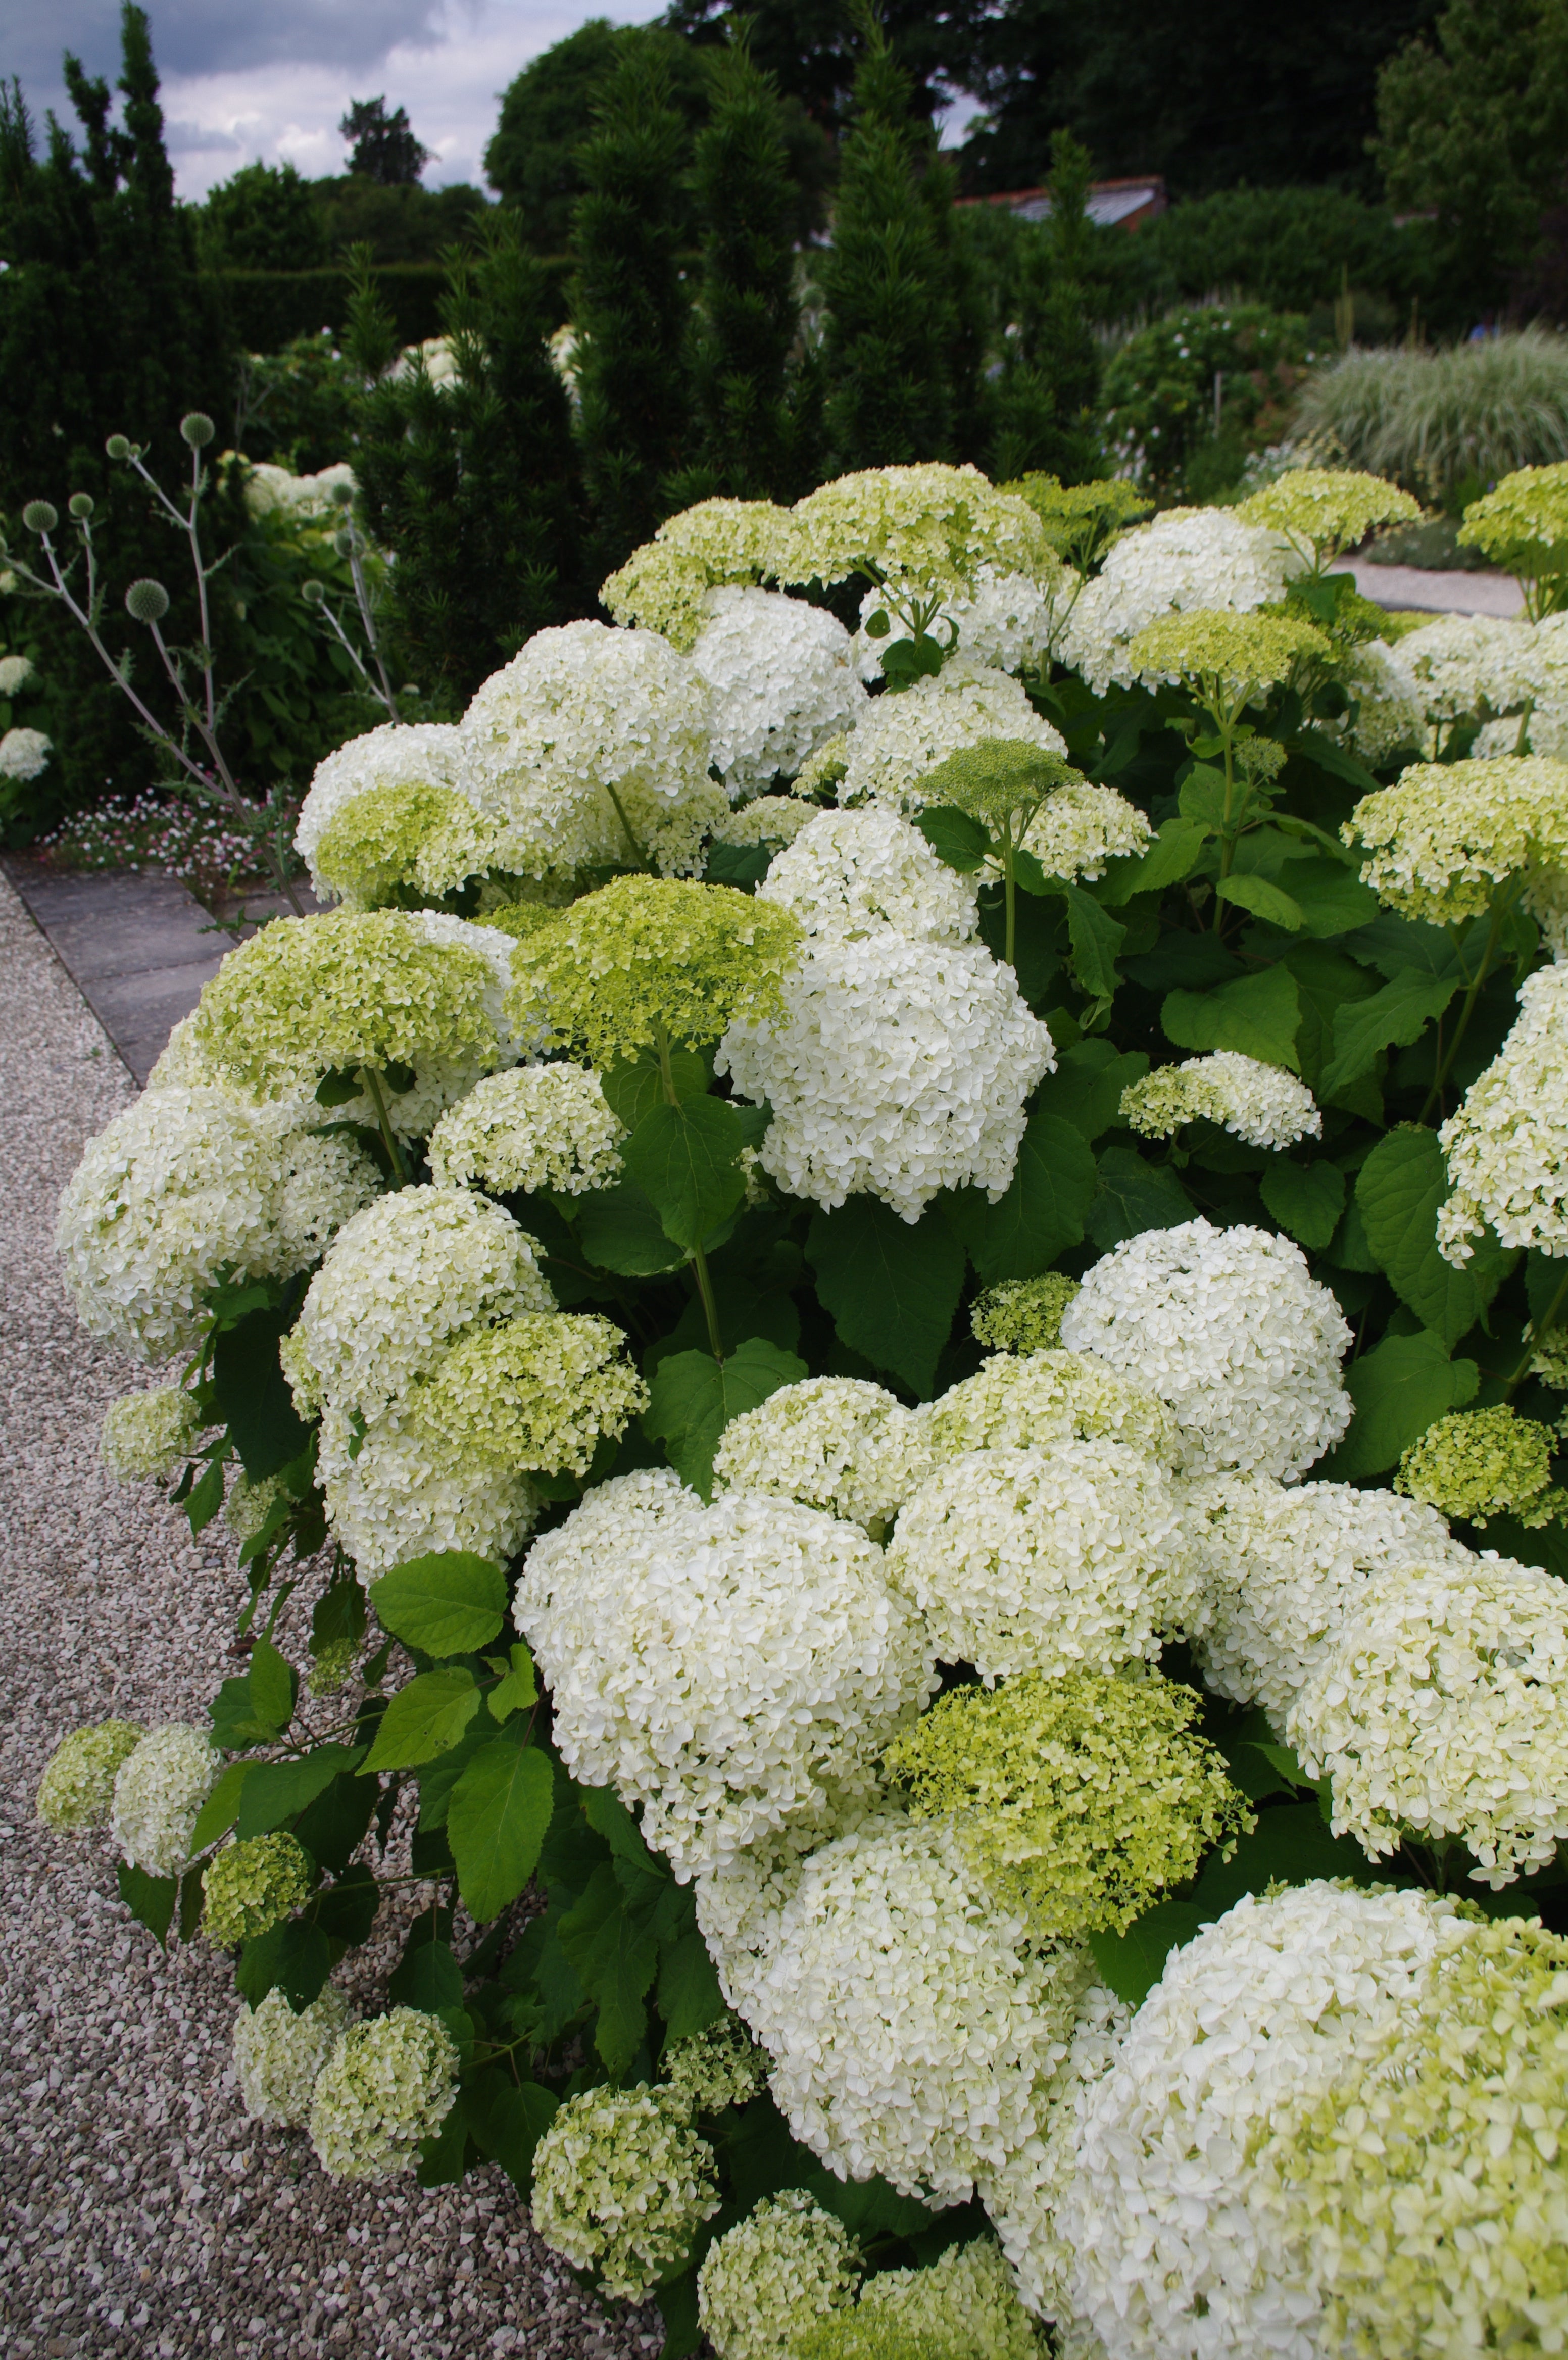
1290,249
399,221
264,218
1045,398
268,310
105,329
1166,424
471,486
632,305
383,145
900,340
747,316
1210,94
810,48
295,406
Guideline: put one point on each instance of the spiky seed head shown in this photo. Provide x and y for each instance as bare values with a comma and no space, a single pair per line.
119,446
81,506
40,516
197,429
147,601
314,593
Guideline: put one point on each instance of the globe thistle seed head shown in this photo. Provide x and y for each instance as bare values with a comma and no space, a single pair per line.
314,592
147,601
119,446
41,517
196,429
80,505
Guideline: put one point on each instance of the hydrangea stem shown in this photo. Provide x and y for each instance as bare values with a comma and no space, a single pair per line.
698,1259
372,1081
638,854
1467,1007
1538,1332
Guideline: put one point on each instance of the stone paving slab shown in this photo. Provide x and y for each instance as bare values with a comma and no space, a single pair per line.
1433,591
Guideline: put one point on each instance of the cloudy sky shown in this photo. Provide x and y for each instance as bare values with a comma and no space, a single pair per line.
269,78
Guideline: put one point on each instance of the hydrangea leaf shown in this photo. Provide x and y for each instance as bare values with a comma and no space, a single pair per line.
1132,1196
425,1718
218,1813
1402,1185
616,1961
294,1958
1097,938
635,1086
1086,1088
446,1604
1290,1845
496,1821
1263,899
1325,982
253,1395
695,1397
274,1791
1330,898
954,837
506,2119
1132,1963
1392,1018
518,1687
149,1899
1044,1209
1257,1014
346,1911
331,1828
678,2312
274,1688
1398,1390
1168,861
891,1285
1306,1200
686,1159
622,1231
427,1977
689,1996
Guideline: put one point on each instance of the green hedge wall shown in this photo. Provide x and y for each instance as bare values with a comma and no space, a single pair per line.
268,309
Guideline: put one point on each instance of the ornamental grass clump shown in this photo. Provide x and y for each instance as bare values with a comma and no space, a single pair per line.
1078,1800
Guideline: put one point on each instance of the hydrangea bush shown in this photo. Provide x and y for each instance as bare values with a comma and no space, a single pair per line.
882,1325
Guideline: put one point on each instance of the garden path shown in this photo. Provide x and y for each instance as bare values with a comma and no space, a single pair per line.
1418,589
143,2214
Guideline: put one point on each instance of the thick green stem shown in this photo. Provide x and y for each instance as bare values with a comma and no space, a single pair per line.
1010,889
372,1081
1466,1009
638,854
1227,841
698,1259
1538,1332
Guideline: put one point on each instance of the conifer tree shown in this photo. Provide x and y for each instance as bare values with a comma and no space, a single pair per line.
1044,401
632,306
749,313
901,344
471,484
105,329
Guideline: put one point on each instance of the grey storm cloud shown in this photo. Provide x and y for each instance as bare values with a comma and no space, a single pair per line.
204,37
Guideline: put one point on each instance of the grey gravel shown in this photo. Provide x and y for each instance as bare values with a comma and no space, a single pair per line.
140,2212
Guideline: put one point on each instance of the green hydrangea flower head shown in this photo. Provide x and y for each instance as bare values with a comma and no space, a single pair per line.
1023,1314
664,584
250,1503
310,996
520,919
1327,509
388,2084
867,2335
622,2186
279,2054
648,954
930,525
1480,1463
1441,840
252,1886
148,1434
1216,651
998,779
376,846
533,1395
961,2307
1521,524
785,2265
77,1789
1080,1799
1080,520
331,1667
707,2071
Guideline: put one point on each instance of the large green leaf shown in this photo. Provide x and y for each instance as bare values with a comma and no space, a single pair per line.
1132,1196
1086,1088
275,1791
1306,1200
1392,1018
1290,1845
496,1821
1044,1209
636,1087
1133,1962
1262,898
694,1397
1402,1185
252,1393
506,2119
1325,982
954,837
616,1961
149,1899
1257,1014
620,1231
1097,939
294,1958
1398,1390
685,1160
425,1718
218,1813
891,1285
1170,859
1330,898
445,1604
689,1996
274,1688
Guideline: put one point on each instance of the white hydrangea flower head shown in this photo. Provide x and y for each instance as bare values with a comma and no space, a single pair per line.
148,1434
783,682
622,2186
16,671
1187,2245
1507,1145
959,2307
786,2261
269,488
1027,1401
1187,559
667,583
322,1182
914,2028
1079,828
77,1789
838,1443
1282,1566
898,738
389,2083
897,1070
159,1789
402,1279
278,2055
536,1127
1439,1706
849,872
582,715
494,947
1457,665
1545,897
24,754
1044,1559
1009,621
705,2072
532,1395
777,819
1024,2195
1390,715
725,1667
392,1494
1443,838
1262,1104
919,529
1228,1326
398,754
739,1900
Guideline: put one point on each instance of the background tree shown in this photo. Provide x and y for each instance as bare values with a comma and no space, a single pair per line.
1478,127
384,146
1044,400
900,339
473,484
630,304
105,328
265,217
810,49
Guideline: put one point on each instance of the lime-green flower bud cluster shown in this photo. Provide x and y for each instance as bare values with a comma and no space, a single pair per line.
252,1886
1480,1463
77,1789
534,1393
1023,1314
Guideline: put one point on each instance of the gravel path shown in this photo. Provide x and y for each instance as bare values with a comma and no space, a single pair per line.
140,2213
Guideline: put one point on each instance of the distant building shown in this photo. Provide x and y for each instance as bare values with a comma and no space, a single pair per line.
1114,203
